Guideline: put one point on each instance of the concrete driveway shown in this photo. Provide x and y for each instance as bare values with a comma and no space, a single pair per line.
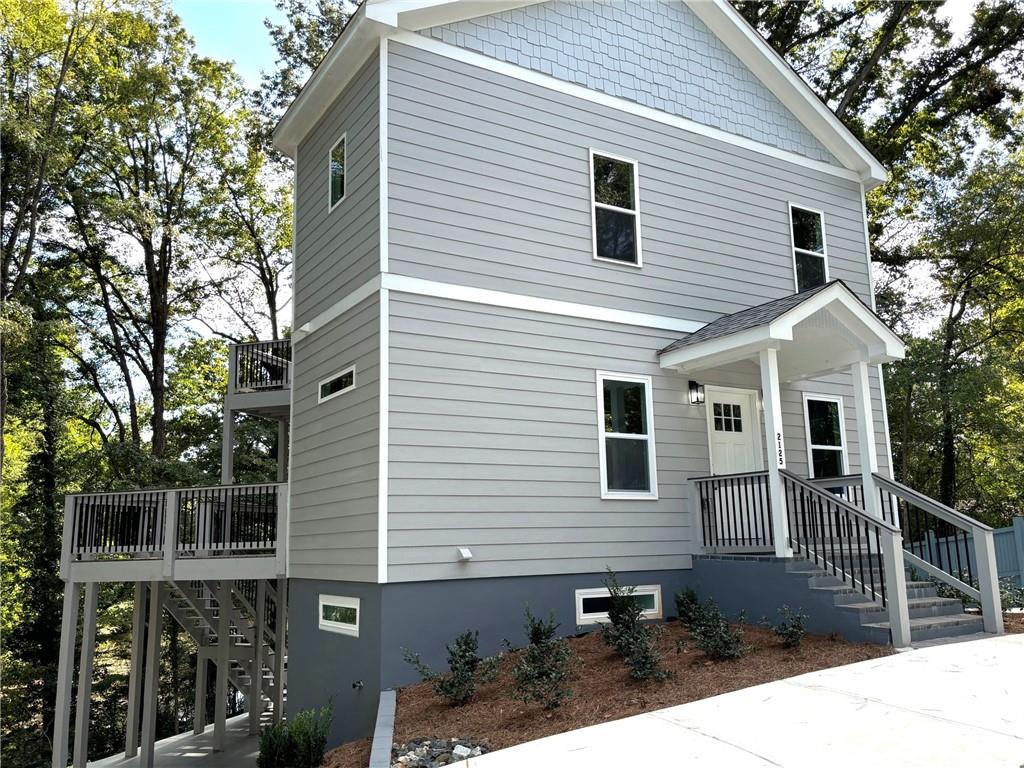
951,705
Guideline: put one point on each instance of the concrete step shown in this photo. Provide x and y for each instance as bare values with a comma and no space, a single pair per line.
931,627
918,607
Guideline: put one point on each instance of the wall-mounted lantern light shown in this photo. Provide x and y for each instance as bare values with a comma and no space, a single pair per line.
696,393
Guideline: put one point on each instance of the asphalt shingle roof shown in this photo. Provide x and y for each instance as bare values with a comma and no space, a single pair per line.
746,319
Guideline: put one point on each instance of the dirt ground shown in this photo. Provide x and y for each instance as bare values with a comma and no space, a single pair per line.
603,690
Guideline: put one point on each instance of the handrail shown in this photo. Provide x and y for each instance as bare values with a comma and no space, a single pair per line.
928,504
796,479
754,473
166,488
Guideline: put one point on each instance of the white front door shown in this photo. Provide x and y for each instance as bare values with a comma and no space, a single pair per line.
733,431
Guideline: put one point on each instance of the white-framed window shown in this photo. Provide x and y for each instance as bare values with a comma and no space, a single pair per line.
625,433
826,435
335,385
337,164
615,208
810,255
592,604
339,614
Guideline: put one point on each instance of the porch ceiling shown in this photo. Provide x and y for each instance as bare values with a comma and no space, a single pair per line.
817,331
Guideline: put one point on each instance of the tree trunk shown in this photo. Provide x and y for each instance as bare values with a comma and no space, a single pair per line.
947,441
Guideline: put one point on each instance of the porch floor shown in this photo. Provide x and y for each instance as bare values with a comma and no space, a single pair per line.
191,751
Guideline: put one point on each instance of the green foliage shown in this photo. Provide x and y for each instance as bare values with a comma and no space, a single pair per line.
296,743
687,606
541,674
714,636
625,632
466,670
1011,594
790,629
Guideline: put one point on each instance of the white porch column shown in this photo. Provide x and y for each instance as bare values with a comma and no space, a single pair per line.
152,673
220,704
202,662
227,447
256,689
280,651
776,449
81,753
65,669
131,731
866,437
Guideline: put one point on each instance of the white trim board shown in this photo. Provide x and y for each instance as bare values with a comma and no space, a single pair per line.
383,436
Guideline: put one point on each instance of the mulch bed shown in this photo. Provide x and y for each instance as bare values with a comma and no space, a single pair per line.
1013,623
603,690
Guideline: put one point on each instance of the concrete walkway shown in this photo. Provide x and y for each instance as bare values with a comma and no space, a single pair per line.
189,751
951,705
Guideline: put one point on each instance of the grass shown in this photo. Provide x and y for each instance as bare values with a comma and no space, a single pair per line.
603,690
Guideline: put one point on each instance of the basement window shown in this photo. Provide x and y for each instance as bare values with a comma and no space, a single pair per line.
592,604
339,614
338,384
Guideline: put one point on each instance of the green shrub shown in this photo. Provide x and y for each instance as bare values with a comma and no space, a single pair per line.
1011,594
642,656
687,606
714,636
790,630
627,635
296,743
543,670
466,670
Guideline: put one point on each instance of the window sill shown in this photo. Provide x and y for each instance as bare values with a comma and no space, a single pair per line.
637,265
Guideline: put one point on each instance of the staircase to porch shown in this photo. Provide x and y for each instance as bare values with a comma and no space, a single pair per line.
893,569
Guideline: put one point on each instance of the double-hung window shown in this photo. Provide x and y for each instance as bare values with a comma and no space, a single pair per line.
810,259
615,203
336,172
626,436
826,435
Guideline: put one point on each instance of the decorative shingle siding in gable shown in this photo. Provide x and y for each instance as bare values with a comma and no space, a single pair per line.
658,54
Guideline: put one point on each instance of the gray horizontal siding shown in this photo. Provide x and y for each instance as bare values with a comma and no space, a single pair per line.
656,53
489,187
336,251
493,445
335,450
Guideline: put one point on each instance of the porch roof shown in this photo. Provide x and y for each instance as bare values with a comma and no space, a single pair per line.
822,329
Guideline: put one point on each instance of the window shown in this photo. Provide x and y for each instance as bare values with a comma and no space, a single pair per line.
339,614
826,435
728,417
626,436
810,260
613,188
338,384
337,172
592,604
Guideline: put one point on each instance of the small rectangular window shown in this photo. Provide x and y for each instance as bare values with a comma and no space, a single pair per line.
826,435
616,225
810,260
626,435
592,604
337,172
338,384
339,614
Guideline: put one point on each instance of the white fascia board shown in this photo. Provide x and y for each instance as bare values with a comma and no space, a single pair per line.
423,14
718,351
772,70
352,48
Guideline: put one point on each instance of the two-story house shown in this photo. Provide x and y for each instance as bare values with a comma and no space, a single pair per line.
578,286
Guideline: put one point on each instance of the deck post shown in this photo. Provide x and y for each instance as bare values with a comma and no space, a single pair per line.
281,545
131,731
170,542
896,588
988,581
282,450
227,448
220,705
256,688
776,449
202,663
65,669
81,753
65,542
152,673
280,623
866,438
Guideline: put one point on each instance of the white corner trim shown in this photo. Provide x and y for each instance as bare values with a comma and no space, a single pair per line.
652,455
421,287
472,58
383,437
382,143
842,431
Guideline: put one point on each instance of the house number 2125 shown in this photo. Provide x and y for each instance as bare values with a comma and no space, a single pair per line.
780,454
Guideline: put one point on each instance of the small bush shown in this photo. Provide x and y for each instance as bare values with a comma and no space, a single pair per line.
542,673
1011,594
642,656
466,670
296,743
625,632
713,635
687,606
790,630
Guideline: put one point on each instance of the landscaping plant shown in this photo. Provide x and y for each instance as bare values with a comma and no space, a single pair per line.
714,636
790,630
687,606
1011,594
296,743
466,670
543,670
627,635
